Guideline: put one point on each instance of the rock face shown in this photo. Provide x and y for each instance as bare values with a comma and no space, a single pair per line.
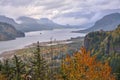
8,32
107,23
93,39
107,42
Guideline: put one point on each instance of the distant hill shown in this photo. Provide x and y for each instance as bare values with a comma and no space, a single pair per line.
7,20
30,24
107,23
8,32
10,21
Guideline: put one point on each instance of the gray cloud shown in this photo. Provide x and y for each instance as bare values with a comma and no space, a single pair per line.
16,2
61,11
50,4
78,14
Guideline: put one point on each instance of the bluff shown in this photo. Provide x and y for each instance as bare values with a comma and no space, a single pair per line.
8,32
106,42
106,46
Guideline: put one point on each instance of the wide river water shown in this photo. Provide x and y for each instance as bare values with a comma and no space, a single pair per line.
41,36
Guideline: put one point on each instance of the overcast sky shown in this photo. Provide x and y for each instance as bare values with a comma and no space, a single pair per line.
61,11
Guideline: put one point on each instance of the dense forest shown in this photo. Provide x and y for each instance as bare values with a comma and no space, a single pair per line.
106,46
97,60
80,66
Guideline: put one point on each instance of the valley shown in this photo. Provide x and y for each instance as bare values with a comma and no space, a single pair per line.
59,39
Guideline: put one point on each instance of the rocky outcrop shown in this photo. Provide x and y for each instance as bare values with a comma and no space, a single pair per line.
8,32
103,41
105,46
93,39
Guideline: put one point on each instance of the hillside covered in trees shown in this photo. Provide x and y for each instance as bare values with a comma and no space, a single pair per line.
80,66
107,23
99,60
8,32
106,45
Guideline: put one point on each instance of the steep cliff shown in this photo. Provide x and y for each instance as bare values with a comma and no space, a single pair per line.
8,32
103,41
106,46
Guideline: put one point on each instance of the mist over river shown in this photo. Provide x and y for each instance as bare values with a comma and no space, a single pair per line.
41,36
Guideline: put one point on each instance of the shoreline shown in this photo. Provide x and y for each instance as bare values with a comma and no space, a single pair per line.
10,53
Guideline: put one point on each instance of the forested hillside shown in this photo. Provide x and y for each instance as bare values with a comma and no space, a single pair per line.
80,66
106,45
107,23
8,32
65,61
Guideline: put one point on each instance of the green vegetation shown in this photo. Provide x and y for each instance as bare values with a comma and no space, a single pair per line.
81,66
37,63
106,45
39,66
24,68
66,61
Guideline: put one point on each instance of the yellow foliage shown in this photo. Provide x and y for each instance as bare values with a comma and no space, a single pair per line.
83,66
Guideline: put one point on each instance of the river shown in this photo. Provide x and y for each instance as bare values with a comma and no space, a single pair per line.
41,36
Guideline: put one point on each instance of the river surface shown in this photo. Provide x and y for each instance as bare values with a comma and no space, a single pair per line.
41,36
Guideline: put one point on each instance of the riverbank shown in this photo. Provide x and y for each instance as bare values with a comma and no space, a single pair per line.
8,54
33,37
74,42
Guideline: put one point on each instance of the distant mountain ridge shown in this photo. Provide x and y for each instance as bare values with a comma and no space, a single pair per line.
30,24
8,20
8,32
107,23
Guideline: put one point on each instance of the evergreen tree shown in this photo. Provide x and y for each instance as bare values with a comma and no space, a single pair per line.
1,66
18,68
39,66
6,69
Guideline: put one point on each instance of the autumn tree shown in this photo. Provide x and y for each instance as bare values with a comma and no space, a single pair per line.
83,66
2,77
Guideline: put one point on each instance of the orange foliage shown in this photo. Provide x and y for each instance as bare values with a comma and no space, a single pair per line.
83,66
2,77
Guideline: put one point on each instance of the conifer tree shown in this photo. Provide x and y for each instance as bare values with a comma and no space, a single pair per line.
18,68
6,69
1,66
39,66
